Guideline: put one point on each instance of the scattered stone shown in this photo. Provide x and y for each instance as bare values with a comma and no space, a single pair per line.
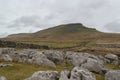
7,57
41,59
113,58
65,75
5,65
2,78
44,75
75,58
103,59
79,73
94,66
56,56
9,51
113,75
36,57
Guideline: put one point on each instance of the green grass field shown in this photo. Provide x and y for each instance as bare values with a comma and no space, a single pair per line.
109,66
21,71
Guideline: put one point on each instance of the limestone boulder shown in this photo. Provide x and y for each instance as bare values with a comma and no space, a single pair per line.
56,56
44,75
113,75
65,75
3,78
7,57
79,73
94,66
114,59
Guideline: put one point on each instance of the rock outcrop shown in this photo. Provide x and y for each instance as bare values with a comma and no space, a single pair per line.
94,66
84,64
76,58
44,75
3,78
5,65
79,73
56,56
113,75
112,58
36,57
6,54
65,75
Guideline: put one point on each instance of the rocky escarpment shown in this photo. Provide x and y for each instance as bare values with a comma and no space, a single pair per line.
84,63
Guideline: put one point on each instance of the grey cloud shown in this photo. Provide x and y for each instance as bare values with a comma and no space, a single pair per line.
30,15
113,26
3,34
31,21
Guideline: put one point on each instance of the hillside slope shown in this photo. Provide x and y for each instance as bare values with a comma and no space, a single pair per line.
67,32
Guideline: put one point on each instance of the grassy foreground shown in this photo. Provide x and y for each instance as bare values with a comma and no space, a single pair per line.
109,66
20,71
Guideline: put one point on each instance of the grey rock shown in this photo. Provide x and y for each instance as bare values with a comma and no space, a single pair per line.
79,73
94,66
41,59
7,57
9,51
26,54
56,56
65,75
113,58
2,78
103,59
44,75
113,75
23,57
6,54
33,56
5,65
75,58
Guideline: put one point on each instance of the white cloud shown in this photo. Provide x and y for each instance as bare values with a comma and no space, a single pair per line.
113,26
30,15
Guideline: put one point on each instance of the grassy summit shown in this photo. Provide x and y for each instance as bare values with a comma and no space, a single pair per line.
73,32
66,29
59,33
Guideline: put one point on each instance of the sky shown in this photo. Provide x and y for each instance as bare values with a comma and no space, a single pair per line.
24,16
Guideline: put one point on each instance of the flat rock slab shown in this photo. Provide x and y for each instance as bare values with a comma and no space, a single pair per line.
113,75
5,65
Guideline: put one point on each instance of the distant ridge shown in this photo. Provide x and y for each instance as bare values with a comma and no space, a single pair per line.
66,32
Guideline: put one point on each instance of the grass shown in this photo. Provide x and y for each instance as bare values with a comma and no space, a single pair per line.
99,77
21,71
113,67
109,66
53,44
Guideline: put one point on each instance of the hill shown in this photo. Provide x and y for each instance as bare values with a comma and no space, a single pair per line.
67,33
75,37
72,31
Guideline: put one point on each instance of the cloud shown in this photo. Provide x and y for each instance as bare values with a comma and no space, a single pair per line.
30,16
3,34
113,26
